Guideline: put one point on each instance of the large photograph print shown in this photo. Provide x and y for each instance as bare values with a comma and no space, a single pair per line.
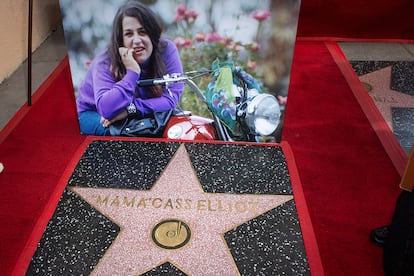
236,58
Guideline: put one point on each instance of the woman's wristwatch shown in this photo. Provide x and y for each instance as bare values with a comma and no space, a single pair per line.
131,108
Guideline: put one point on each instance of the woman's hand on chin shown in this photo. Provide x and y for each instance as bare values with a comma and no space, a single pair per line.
128,59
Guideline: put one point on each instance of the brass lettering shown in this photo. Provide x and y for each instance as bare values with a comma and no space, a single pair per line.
384,99
220,207
241,206
209,205
104,201
179,203
169,204
201,205
129,203
115,201
392,100
142,203
187,204
253,206
154,204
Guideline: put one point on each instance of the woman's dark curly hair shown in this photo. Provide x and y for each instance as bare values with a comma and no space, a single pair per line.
153,28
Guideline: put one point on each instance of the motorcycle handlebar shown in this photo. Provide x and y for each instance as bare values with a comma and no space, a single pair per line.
174,78
143,83
162,81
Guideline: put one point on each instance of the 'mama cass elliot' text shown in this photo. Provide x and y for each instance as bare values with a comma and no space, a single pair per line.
208,205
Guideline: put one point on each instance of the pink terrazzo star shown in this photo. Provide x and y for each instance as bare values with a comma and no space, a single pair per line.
176,195
383,96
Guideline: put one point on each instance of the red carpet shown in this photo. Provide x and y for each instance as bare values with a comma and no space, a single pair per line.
349,181
380,20
35,149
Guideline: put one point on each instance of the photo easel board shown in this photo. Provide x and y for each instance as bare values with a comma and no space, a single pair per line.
259,36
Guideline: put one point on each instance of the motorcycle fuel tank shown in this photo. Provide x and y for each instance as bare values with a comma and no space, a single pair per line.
190,127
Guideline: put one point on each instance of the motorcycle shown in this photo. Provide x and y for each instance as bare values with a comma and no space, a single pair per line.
256,115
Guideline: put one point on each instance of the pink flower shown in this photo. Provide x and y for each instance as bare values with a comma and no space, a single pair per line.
180,12
181,8
228,41
200,37
237,47
178,18
182,42
183,13
282,100
191,15
233,46
215,37
188,43
254,47
261,15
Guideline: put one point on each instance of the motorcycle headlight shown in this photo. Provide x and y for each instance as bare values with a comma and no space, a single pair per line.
263,114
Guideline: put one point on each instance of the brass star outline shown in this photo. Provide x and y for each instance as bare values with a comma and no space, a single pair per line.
177,194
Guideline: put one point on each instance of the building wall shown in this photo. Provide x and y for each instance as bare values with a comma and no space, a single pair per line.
14,30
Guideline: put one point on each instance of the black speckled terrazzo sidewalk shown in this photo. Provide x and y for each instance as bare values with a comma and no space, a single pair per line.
393,93
149,181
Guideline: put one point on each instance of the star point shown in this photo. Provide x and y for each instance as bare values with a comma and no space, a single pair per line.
383,96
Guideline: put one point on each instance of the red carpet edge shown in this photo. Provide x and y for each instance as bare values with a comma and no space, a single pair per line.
49,208
387,138
312,249
22,112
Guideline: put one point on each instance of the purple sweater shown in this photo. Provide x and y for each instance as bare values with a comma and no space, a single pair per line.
100,92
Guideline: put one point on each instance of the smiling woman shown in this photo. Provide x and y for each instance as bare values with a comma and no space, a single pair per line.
136,51
136,41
